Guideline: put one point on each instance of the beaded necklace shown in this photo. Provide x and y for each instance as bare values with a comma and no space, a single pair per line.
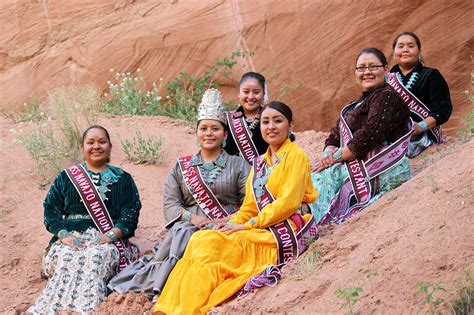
252,122
211,170
262,179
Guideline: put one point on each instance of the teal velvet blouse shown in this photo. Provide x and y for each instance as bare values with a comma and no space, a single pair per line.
64,210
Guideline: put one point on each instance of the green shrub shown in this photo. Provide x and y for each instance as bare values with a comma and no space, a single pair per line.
54,139
143,151
430,292
128,95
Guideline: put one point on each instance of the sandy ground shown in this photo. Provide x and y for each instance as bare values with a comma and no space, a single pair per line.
421,231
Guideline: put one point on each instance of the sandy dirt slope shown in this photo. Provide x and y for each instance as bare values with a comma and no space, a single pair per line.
422,231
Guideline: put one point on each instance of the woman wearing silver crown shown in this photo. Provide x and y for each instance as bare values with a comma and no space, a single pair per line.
200,189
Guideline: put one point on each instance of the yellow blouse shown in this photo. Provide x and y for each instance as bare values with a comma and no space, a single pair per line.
290,184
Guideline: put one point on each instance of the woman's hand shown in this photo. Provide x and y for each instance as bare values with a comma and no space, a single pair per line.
211,224
102,239
326,159
73,241
229,229
198,220
417,130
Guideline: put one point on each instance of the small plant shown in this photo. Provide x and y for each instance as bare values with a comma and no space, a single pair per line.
54,139
185,91
463,302
143,151
467,130
429,290
128,95
369,274
350,297
310,262
32,110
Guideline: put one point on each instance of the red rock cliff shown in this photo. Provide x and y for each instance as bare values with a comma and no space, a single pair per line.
307,46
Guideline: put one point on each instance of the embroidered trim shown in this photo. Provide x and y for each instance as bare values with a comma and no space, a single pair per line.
411,80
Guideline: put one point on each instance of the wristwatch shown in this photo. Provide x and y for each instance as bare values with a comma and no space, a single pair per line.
112,235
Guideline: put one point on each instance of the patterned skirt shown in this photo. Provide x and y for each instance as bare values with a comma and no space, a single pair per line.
329,181
77,277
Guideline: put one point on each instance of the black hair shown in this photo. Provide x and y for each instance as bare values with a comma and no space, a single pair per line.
253,75
95,127
84,134
417,39
284,109
375,51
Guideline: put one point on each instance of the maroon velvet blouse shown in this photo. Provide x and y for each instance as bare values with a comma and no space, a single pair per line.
382,118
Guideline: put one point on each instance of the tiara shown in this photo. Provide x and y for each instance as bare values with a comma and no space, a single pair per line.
212,106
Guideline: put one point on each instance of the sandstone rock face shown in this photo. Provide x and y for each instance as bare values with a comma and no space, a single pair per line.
304,47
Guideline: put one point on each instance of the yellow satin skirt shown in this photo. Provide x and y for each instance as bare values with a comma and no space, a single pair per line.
214,267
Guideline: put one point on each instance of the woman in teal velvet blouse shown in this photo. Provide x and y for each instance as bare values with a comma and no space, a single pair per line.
81,259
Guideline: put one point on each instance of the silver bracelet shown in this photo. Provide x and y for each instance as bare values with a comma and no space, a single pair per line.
187,216
338,155
112,235
423,125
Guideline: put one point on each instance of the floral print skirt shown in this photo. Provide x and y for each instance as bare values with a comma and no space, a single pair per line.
329,181
77,277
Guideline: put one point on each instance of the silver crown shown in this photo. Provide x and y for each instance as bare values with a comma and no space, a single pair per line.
212,106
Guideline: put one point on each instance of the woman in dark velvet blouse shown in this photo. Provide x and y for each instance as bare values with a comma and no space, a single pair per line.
81,259
378,118
427,84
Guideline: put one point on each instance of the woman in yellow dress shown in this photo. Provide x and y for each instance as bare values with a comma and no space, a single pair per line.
217,263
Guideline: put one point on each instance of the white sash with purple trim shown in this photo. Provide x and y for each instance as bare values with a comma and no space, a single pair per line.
362,173
203,195
96,208
416,106
242,136
289,244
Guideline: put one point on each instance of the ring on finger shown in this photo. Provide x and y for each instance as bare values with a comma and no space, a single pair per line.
76,242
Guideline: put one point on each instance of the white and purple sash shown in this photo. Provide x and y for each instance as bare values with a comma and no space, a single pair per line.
96,208
203,195
416,106
242,136
289,244
359,184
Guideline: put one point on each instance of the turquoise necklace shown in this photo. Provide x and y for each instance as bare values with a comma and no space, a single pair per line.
211,170
262,177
